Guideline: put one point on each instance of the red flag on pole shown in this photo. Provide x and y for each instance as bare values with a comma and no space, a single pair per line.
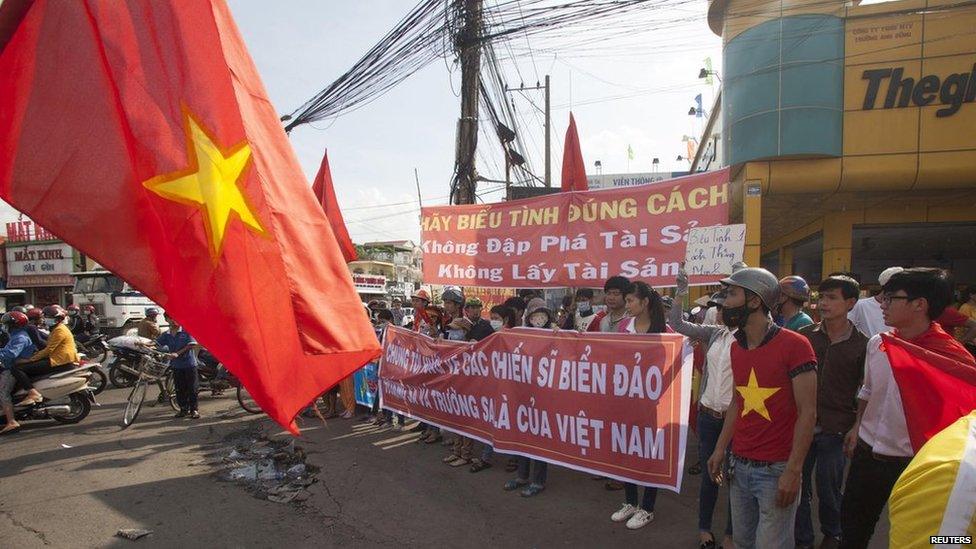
936,389
325,192
141,133
574,171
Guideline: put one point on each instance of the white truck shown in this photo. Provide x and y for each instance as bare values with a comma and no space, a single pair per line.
119,307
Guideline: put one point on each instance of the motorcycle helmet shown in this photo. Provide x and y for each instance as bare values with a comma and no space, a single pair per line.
794,287
73,309
89,309
20,309
759,281
55,312
453,296
152,312
33,314
14,319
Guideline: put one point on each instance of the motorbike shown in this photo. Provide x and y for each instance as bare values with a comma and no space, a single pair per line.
99,379
67,396
95,348
127,354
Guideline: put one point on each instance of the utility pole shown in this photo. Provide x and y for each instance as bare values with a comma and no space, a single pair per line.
547,114
416,177
548,138
468,44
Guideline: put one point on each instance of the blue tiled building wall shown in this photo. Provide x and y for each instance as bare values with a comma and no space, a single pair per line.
783,92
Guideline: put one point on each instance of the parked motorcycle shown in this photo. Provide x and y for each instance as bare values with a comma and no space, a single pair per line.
67,397
127,354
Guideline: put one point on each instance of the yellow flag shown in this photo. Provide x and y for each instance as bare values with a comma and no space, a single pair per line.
936,494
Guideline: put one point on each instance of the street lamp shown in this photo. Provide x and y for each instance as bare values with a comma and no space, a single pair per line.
705,73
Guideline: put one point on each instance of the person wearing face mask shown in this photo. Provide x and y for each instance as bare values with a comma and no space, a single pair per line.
502,318
474,328
584,309
36,329
715,397
59,354
771,418
538,317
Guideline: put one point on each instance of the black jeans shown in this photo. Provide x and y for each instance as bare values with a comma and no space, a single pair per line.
185,380
869,483
647,502
23,372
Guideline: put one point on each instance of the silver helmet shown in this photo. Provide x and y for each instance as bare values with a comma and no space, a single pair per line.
759,281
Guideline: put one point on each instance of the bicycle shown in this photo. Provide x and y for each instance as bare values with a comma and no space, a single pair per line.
244,398
153,367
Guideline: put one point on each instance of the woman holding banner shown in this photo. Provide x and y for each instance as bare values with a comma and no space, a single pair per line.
646,310
538,317
715,396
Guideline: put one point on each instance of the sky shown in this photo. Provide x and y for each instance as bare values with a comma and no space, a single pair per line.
631,88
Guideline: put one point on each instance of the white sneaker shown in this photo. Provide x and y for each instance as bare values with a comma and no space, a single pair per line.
624,513
640,519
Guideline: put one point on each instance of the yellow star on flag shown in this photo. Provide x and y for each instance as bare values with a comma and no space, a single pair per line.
754,397
210,184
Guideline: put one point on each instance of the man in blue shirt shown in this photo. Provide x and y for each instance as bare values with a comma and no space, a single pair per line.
181,345
18,346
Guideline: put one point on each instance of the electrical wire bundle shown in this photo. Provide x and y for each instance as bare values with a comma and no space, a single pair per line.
428,33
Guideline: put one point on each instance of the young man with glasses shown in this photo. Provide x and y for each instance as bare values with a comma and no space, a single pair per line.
879,445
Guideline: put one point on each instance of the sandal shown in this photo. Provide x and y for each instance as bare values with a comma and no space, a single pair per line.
459,462
710,544
532,490
10,429
434,439
479,466
514,485
28,401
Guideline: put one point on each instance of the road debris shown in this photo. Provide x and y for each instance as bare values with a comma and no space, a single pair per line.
271,469
133,533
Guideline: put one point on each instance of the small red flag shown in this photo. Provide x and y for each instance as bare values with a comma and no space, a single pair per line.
325,191
936,389
574,171
141,133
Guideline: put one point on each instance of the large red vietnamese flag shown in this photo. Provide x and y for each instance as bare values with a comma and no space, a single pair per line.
325,193
936,388
141,133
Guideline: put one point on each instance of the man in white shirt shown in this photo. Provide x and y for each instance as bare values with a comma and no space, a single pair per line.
866,314
879,445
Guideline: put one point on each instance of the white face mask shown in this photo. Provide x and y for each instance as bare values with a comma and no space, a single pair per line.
50,322
497,325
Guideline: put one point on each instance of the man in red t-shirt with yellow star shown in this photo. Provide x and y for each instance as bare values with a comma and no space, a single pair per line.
771,419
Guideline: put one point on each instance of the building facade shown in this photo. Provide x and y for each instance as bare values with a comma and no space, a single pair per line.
851,133
39,263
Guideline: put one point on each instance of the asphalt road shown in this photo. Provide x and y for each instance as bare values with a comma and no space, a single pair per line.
76,485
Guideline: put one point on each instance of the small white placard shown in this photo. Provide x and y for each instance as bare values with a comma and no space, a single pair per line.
713,250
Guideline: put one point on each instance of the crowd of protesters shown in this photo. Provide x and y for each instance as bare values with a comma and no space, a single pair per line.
786,402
